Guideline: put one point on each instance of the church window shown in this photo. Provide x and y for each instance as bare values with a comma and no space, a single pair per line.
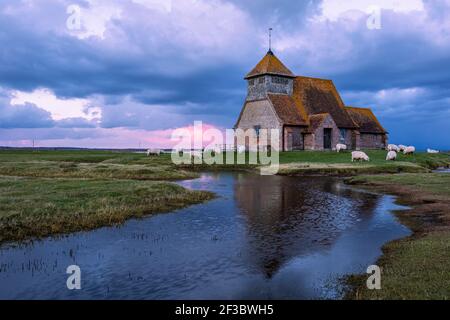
257,130
280,80
343,134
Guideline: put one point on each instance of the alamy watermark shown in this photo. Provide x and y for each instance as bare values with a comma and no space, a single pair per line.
373,22
74,280
75,13
73,22
254,146
374,280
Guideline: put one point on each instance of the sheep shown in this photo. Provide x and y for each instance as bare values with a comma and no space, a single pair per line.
359,155
393,147
153,152
391,156
432,151
340,147
409,150
401,147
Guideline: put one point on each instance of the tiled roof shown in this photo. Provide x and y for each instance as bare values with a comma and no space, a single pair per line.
313,100
270,64
318,96
316,120
366,120
287,110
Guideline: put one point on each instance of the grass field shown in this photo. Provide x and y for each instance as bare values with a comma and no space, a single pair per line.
417,267
53,192
37,207
90,164
377,157
122,165
298,163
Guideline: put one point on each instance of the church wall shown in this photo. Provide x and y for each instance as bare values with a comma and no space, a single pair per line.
355,142
259,113
309,141
297,138
317,141
373,141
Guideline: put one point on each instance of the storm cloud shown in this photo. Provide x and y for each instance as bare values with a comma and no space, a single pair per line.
161,64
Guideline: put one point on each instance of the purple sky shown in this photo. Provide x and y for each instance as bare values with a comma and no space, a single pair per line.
131,71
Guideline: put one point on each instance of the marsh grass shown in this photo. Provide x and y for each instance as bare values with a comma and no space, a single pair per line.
103,170
93,165
377,157
50,192
38,207
417,267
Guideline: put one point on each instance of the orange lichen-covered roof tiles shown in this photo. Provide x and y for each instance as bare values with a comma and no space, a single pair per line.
316,120
270,64
286,109
318,96
366,120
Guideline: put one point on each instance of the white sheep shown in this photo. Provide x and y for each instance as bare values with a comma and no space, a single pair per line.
391,156
401,147
432,151
409,150
153,152
359,155
340,147
393,147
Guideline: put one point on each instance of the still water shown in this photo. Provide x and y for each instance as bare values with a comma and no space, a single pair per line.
263,238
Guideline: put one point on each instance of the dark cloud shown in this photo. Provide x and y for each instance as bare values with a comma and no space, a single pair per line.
156,72
283,13
24,116
75,123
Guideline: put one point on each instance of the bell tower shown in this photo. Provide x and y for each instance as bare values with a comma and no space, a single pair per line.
269,76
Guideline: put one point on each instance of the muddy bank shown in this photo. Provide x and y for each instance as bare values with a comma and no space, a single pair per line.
416,267
350,169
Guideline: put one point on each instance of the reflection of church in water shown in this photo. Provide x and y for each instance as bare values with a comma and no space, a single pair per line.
289,217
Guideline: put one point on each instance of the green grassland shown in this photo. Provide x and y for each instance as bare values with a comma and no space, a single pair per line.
417,267
90,164
123,165
333,163
37,207
55,192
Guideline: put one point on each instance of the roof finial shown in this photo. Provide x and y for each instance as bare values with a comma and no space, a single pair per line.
270,41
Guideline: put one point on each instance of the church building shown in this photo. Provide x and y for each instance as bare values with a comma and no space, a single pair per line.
308,112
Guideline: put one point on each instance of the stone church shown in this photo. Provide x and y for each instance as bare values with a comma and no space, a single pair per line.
308,112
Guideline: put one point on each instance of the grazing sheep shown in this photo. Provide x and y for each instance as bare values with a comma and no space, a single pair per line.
409,150
432,151
340,147
359,155
153,152
391,156
393,147
401,148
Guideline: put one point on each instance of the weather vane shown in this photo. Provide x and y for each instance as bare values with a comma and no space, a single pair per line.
270,39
